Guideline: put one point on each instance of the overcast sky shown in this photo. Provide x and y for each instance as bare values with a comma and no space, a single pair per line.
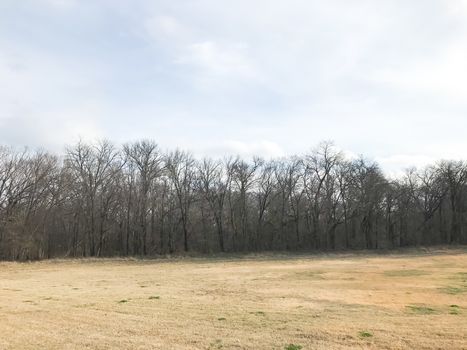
387,79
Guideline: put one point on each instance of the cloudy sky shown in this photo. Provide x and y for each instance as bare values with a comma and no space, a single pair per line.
384,78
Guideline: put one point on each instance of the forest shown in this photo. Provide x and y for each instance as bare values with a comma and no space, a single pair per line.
99,200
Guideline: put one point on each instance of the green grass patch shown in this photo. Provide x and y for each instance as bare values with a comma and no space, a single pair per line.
258,313
216,345
293,347
421,310
454,310
459,286
221,319
123,301
461,277
454,290
405,273
365,334
153,297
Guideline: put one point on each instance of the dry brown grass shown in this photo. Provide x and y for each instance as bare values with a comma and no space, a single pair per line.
335,302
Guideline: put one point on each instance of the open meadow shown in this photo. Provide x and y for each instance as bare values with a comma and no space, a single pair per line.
410,300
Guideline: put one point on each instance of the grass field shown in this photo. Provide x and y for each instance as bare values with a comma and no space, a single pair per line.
412,300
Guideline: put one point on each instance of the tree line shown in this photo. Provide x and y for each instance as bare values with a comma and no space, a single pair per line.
102,200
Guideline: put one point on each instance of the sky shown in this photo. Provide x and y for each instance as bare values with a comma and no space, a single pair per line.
386,79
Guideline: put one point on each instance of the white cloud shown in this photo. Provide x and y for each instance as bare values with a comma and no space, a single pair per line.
383,79
231,60
442,75
53,130
60,4
166,28
403,161
263,148
82,125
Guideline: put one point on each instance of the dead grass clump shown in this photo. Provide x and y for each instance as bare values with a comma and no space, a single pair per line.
314,275
294,303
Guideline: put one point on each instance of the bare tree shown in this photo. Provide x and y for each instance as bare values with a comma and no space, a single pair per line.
181,172
265,191
145,157
93,168
243,177
213,182
319,165
100,200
